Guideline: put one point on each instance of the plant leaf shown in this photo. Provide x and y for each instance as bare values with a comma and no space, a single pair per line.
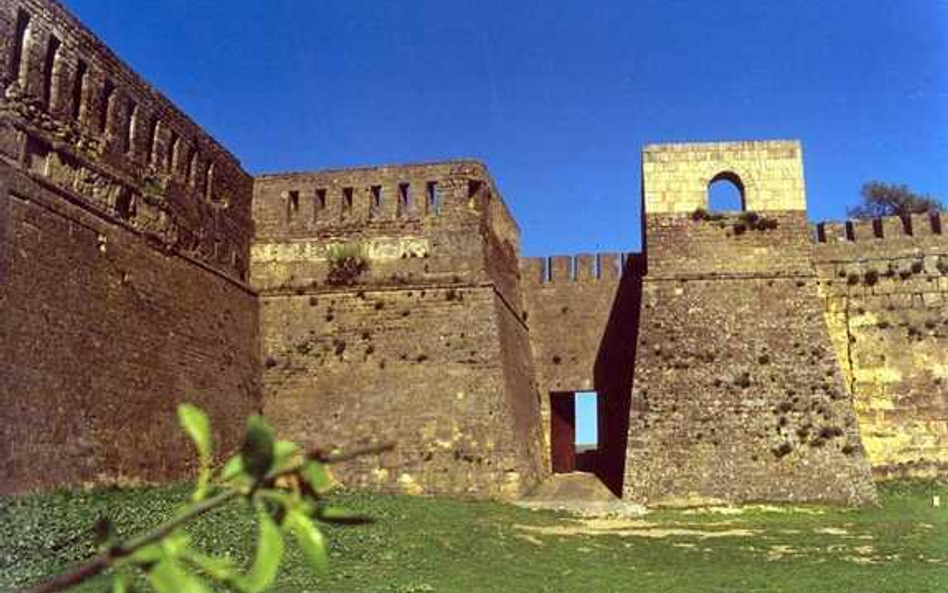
317,476
195,423
198,427
232,469
221,569
266,563
168,576
310,539
121,583
284,455
257,451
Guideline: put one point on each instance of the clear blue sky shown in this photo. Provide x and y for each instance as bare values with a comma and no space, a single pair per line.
556,97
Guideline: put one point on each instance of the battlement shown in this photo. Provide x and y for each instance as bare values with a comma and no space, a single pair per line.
769,174
889,227
581,268
305,204
74,113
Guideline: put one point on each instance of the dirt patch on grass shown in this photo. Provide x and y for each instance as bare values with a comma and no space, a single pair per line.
754,508
634,528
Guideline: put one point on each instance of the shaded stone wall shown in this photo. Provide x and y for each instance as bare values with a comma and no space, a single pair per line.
124,235
582,314
427,348
885,285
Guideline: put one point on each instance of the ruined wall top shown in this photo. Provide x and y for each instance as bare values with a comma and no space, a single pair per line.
675,177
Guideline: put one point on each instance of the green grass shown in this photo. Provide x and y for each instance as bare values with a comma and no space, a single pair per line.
443,545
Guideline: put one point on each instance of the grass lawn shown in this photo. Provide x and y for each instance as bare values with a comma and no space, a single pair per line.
432,544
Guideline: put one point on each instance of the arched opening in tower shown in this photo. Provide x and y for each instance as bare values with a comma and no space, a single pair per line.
726,193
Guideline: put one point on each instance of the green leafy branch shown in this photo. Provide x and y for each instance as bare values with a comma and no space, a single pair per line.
282,483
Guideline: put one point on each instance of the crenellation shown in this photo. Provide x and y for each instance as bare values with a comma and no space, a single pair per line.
610,265
561,268
533,270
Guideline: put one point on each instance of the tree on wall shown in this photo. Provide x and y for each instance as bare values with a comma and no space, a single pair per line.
888,199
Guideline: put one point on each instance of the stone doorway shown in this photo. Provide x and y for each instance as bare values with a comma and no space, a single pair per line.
574,444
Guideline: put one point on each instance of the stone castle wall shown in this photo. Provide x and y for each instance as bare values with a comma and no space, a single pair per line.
885,285
581,311
426,348
737,392
741,356
124,238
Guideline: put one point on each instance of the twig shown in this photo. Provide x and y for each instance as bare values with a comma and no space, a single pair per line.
103,561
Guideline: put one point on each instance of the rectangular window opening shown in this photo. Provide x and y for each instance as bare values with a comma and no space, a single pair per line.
19,45
404,197
850,231
473,186
173,148
434,197
105,105
292,203
52,52
131,122
192,167
346,200
209,181
375,206
152,140
78,88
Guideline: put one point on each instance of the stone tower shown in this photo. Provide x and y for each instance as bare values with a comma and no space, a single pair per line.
737,392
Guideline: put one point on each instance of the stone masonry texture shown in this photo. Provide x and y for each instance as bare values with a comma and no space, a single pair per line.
124,243
745,355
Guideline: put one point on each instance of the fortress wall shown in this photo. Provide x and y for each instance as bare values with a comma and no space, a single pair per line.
681,245
737,392
738,396
447,372
578,309
300,217
101,336
423,366
123,251
885,287
74,113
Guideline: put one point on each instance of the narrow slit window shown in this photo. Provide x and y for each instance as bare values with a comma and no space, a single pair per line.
208,181
375,206
192,167
434,197
152,140
49,66
292,203
17,63
173,148
105,104
473,187
346,200
78,88
320,200
404,197
131,122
